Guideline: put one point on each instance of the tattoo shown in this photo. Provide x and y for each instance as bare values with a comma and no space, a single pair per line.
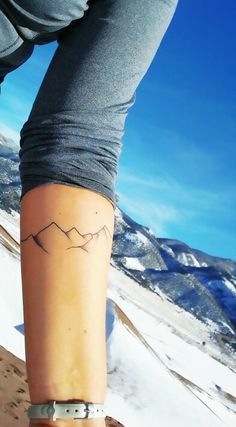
70,239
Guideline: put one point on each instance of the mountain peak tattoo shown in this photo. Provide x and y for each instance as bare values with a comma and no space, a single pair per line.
70,239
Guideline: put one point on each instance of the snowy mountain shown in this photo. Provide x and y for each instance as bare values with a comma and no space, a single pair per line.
9,175
198,283
171,324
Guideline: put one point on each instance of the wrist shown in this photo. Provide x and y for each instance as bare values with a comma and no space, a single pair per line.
64,413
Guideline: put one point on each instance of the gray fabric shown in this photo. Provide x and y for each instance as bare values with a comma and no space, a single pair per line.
74,132
9,38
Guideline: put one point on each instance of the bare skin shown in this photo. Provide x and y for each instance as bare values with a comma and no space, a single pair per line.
66,241
99,422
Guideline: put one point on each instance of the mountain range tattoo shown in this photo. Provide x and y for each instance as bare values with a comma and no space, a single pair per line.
70,239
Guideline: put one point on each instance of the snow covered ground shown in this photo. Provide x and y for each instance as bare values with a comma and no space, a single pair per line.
163,368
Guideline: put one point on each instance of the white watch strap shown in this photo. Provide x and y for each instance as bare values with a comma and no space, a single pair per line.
76,410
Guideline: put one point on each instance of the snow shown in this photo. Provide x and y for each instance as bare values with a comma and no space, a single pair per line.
230,285
133,263
188,259
159,373
137,237
168,249
11,222
141,237
154,396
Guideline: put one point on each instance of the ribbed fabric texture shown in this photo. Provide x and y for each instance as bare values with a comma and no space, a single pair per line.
74,132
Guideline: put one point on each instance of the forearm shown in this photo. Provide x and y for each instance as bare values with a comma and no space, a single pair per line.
64,278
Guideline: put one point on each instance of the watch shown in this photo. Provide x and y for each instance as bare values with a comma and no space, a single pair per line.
79,409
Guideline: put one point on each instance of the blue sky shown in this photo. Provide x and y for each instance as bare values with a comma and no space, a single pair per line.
177,170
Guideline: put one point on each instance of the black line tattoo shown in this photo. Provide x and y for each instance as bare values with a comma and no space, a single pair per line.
78,240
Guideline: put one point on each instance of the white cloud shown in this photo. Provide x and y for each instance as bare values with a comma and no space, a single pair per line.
169,191
149,213
170,207
128,177
15,101
9,132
